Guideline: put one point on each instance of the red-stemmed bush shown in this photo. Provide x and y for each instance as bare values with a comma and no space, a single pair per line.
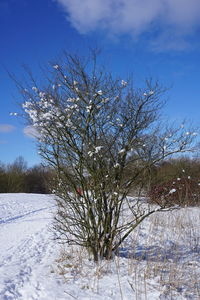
180,191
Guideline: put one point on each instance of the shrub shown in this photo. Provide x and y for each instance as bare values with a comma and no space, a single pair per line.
181,191
92,129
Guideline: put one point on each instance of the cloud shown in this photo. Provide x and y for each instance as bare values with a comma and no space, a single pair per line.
30,131
4,128
172,18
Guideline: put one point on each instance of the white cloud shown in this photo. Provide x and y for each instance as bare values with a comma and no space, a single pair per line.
30,131
179,18
4,128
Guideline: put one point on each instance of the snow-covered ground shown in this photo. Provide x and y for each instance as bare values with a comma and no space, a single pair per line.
160,260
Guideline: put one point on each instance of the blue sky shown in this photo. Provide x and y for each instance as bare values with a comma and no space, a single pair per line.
160,39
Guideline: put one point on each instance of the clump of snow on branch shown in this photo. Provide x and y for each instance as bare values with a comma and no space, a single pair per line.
124,83
172,191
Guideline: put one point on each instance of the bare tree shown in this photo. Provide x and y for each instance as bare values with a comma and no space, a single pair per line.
93,128
15,175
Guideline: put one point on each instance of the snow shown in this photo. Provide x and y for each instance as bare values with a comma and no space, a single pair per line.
124,83
34,89
160,260
13,114
122,151
98,148
172,191
100,93
117,165
27,247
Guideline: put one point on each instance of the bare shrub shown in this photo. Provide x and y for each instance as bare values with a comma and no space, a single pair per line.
180,191
92,128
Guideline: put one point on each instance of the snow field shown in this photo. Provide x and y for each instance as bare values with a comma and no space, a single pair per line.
27,247
160,260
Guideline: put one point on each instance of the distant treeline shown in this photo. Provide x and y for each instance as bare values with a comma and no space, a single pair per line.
172,169
18,178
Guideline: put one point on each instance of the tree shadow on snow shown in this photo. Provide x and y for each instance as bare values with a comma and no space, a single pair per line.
169,251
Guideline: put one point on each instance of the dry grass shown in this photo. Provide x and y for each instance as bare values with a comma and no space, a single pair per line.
170,252
160,260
